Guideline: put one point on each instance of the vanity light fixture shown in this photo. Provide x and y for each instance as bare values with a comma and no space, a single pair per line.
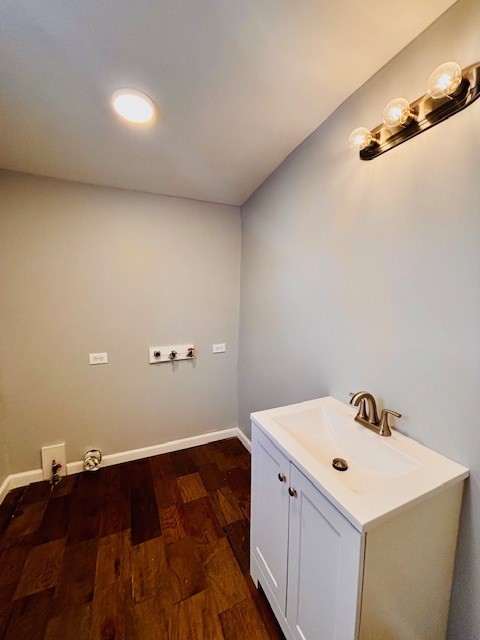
133,106
450,90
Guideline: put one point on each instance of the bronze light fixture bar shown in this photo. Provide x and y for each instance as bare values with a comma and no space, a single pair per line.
424,113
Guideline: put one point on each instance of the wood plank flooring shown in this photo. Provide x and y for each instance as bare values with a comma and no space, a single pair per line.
155,549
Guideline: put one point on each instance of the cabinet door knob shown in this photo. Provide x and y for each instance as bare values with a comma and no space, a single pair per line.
282,477
292,492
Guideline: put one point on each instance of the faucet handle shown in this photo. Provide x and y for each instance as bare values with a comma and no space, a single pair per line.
383,425
392,413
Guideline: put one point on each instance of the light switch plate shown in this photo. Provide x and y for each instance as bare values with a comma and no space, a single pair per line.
219,348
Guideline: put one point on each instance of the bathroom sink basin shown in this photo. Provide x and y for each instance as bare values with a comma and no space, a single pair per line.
385,474
328,434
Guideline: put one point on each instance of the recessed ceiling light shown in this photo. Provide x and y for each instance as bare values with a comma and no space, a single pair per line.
133,106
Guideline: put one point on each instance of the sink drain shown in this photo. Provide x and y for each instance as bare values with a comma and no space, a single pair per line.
340,464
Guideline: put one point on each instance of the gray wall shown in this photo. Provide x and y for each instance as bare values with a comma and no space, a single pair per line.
86,269
366,275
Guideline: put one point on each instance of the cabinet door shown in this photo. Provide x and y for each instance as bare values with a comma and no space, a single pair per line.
270,505
324,564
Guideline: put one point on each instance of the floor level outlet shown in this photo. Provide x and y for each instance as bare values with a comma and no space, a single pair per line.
54,453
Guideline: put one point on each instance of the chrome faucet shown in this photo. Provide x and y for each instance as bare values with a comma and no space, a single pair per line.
367,413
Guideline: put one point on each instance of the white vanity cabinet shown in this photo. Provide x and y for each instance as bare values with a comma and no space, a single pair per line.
302,536
329,577
324,559
270,484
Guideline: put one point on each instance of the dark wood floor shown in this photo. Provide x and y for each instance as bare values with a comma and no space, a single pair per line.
156,549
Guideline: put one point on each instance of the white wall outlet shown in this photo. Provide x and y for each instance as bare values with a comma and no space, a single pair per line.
49,454
219,348
171,352
98,358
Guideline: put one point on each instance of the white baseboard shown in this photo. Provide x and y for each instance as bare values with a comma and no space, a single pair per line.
4,489
244,440
21,479
158,449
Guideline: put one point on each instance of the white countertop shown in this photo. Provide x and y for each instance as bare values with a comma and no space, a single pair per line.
369,508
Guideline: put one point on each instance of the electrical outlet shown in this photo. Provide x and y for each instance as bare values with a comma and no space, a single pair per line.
98,358
49,454
218,348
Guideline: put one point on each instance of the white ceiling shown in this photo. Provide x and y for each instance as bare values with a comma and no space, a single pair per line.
240,83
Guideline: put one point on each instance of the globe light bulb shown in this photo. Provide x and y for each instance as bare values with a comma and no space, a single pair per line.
397,113
445,80
361,138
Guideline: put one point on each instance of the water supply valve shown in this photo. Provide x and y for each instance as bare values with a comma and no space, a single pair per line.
56,477
171,353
